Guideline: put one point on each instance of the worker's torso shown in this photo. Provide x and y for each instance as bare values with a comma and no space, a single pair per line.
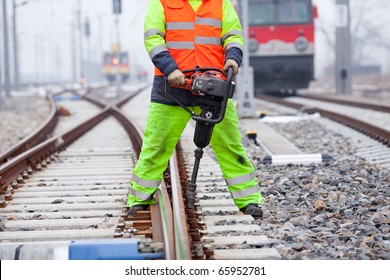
193,33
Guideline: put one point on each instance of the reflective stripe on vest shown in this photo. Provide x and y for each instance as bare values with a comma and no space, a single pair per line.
179,26
141,195
208,40
240,179
190,25
146,183
209,21
246,192
180,45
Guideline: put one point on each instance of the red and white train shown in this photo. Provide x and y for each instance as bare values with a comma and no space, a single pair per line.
281,44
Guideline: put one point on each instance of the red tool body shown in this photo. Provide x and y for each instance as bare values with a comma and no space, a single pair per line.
208,82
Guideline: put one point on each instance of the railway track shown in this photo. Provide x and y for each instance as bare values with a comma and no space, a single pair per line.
370,136
224,231
349,101
73,187
368,127
215,228
97,175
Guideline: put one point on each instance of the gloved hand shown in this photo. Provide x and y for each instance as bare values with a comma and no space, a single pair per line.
230,63
176,77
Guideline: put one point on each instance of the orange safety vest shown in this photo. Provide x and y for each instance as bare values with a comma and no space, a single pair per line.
194,38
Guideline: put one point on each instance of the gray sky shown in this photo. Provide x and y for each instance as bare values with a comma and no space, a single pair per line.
47,25
45,36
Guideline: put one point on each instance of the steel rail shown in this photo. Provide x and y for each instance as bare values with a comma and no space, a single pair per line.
373,131
161,213
354,103
162,221
183,242
379,134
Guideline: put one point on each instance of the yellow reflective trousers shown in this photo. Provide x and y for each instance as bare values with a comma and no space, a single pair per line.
164,127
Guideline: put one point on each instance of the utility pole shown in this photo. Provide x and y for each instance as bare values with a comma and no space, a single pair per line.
7,83
1,79
16,42
100,46
16,51
37,58
117,10
343,48
82,76
87,33
245,89
1,67
73,44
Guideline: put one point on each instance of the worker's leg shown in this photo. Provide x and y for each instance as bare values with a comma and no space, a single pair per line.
164,127
235,164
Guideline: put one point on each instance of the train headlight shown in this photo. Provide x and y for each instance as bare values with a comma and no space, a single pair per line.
253,46
301,44
115,61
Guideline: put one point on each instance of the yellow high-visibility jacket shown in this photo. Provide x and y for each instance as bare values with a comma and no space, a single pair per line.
188,33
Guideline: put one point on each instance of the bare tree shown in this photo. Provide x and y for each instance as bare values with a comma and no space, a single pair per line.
368,29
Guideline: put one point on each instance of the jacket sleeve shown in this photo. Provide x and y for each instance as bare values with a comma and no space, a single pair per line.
232,35
154,34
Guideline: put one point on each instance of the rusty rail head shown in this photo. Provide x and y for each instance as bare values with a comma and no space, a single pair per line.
181,230
373,131
162,219
360,104
37,136
31,158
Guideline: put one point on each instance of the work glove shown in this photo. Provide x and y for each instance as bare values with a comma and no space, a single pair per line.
230,63
176,77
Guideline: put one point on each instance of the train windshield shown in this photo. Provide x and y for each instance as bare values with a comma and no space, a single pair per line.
107,58
261,12
273,12
124,58
293,12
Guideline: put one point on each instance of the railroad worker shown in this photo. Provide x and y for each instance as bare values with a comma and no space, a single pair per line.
179,35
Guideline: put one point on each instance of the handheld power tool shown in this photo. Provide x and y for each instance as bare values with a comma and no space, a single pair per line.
213,89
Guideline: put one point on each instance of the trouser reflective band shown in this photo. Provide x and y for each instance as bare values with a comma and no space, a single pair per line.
146,183
141,191
245,192
139,194
240,179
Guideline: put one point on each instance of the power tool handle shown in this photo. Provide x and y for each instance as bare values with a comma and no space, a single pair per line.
187,84
230,73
